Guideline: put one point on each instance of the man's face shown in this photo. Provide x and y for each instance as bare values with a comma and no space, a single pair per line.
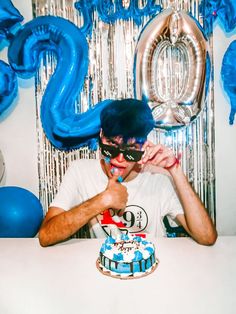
120,156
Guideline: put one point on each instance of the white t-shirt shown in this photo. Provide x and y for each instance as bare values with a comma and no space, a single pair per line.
151,197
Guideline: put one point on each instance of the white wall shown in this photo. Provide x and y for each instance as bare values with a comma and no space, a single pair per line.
18,131
18,141
225,152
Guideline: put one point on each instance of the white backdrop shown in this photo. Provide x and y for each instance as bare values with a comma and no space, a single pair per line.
18,138
18,141
225,156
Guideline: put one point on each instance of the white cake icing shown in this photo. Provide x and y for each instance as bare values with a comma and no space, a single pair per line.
127,256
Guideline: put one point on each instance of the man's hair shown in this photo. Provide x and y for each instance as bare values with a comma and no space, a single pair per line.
128,118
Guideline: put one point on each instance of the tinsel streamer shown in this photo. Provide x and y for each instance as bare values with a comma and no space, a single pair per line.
110,75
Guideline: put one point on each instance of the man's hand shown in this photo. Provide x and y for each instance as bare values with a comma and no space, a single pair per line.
115,195
157,155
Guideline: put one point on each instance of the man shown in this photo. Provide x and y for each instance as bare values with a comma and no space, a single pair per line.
123,189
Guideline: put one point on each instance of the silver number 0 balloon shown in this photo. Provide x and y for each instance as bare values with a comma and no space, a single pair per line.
170,68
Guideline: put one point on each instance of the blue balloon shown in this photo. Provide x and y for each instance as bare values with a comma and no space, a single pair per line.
107,12
224,10
8,88
208,74
9,16
79,126
59,120
21,213
151,8
228,75
86,8
208,9
133,11
227,14
110,11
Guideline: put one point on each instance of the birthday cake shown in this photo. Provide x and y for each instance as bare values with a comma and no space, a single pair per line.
127,257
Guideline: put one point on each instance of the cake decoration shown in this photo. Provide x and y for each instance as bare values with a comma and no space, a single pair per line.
127,257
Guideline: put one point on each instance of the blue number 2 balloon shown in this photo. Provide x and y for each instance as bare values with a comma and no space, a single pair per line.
9,16
63,127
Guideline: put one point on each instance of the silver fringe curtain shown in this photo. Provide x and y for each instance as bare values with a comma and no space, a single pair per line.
110,75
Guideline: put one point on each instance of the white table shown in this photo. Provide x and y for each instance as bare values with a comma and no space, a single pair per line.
63,279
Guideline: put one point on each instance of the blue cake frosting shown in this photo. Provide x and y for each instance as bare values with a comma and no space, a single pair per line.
127,255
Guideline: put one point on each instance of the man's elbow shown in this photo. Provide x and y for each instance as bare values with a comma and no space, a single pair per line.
208,239
43,239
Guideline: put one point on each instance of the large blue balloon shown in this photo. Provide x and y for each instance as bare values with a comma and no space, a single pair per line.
8,88
225,10
227,14
21,213
78,127
9,16
59,120
86,8
110,11
228,75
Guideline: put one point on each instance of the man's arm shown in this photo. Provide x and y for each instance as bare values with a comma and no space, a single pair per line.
59,224
195,220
